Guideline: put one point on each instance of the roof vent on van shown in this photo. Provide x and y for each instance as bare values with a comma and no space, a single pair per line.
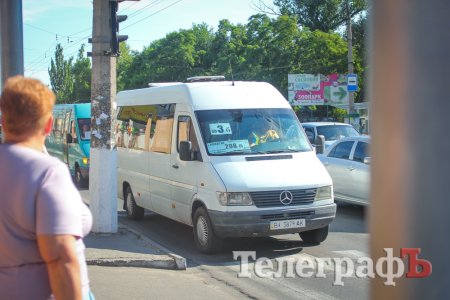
205,78
158,84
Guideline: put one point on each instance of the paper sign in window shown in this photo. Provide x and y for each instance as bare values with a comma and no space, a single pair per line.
220,128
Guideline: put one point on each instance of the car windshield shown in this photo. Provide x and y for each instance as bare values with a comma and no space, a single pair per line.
84,126
335,132
251,131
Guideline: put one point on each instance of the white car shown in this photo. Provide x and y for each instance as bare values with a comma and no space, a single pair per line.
348,163
331,131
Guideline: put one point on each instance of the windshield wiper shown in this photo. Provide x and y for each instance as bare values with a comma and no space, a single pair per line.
231,153
282,151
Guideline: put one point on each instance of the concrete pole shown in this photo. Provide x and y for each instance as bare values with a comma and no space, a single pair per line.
103,167
11,42
410,188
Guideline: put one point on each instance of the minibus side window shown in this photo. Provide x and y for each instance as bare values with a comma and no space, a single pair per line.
73,131
161,140
66,123
57,129
145,127
186,132
134,126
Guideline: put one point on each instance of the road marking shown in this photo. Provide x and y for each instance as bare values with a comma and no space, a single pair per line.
302,291
354,254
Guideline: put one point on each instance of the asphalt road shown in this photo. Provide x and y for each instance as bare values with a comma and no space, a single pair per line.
348,238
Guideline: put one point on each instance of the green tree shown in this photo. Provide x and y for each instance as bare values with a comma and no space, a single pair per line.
360,55
323,15
124,62
264,49
175,57
272,49
228,47
60,73
82,72
203,57
322,53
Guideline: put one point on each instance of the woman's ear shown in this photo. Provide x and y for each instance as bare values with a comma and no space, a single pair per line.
48,126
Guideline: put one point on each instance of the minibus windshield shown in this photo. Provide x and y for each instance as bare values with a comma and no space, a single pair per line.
84,126
251,131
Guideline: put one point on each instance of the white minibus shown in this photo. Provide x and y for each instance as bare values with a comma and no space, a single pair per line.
229,159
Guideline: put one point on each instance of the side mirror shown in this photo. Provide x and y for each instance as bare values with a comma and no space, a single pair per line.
186,150
69,139
320,144
367,160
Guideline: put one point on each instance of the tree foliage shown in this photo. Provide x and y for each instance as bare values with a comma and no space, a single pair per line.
82,73
60,73
359,29
263,49
70,81
323,15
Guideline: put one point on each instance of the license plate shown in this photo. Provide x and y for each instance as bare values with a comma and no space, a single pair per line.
287,224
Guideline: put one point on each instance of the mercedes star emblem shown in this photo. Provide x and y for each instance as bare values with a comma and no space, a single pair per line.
286,197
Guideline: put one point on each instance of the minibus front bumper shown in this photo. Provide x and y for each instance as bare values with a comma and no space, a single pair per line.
257,222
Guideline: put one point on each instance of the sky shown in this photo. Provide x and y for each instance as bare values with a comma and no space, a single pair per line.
69,22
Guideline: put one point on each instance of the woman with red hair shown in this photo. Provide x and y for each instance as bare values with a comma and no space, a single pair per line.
42,216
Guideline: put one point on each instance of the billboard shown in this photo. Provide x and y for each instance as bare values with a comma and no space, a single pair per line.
308,89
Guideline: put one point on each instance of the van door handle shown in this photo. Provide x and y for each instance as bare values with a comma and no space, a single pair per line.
351,168
175,166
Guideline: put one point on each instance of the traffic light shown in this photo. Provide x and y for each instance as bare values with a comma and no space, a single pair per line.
114,22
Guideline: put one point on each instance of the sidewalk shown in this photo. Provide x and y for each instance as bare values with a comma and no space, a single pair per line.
128,248
128,265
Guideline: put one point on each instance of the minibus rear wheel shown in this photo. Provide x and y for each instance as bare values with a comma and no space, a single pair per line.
315,236
205,238
134,211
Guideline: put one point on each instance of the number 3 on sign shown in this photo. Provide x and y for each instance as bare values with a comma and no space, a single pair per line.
219,128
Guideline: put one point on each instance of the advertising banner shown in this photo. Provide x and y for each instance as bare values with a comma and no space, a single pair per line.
307,89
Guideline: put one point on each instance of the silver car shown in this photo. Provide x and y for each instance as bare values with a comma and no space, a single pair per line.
348,164
331,131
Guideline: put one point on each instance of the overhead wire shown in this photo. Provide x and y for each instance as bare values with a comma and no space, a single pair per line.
164,8
35,65
129,6
151,4
45,30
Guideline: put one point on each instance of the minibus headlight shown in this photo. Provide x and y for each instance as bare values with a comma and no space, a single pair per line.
230,199
85,160
323,193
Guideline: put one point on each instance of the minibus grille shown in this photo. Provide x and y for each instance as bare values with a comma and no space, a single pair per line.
272,198
287,216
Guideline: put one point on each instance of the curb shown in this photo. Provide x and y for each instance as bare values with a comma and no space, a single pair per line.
167,260
179,261
138,263
176,262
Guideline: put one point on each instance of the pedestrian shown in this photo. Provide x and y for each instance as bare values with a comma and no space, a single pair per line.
42,216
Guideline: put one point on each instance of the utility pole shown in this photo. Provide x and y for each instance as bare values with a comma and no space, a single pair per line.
11,42
103,153
350,56
410,170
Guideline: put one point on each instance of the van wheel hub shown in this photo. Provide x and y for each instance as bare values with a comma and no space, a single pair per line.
202,231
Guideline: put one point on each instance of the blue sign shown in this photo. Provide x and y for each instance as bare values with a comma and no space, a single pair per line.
352,82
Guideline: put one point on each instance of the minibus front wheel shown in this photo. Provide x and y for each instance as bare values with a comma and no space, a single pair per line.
79,180
315,236
205,238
